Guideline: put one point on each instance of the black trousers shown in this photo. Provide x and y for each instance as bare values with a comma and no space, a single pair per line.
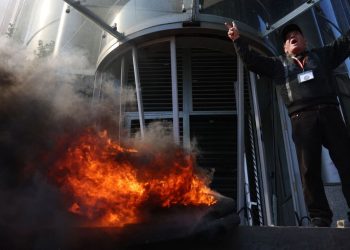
312,128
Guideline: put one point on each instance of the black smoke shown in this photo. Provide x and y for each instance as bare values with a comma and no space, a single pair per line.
43,103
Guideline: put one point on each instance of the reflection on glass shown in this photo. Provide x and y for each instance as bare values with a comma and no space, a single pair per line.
256,13
127,13
36,24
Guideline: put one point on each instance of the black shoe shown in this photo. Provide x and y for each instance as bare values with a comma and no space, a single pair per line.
320,222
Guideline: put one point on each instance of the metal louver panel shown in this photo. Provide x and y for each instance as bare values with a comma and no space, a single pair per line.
155,77
215,136
213,76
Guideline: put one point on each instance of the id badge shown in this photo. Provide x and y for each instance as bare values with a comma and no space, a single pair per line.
305,76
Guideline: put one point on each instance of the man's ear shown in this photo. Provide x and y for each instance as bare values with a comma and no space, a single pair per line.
284,47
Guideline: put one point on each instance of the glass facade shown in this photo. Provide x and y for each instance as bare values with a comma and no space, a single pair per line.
255,13
129,13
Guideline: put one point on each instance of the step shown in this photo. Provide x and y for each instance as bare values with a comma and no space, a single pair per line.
222,238
265,238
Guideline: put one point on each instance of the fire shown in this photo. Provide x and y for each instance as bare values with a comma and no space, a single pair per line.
111,185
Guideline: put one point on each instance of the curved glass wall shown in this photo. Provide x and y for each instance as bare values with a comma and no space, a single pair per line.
5,15
49,27
37,24
77,33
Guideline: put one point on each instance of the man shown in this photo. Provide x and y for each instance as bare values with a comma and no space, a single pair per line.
303,78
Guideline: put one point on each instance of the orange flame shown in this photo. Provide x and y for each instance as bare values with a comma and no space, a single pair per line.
108,187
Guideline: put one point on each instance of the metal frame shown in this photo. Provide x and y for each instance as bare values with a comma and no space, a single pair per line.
122,83
291,15
239,87
138,91
187,100
261,151
97,91
174,92
174,84
94,18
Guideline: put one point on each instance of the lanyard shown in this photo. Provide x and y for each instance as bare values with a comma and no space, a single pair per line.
301,64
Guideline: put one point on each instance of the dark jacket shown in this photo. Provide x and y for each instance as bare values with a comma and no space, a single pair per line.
321,61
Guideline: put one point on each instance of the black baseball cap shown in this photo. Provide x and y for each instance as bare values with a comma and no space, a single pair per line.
288,28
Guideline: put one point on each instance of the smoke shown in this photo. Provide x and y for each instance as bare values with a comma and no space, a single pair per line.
42,103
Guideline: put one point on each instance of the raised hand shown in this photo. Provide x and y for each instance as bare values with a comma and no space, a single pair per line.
233,32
